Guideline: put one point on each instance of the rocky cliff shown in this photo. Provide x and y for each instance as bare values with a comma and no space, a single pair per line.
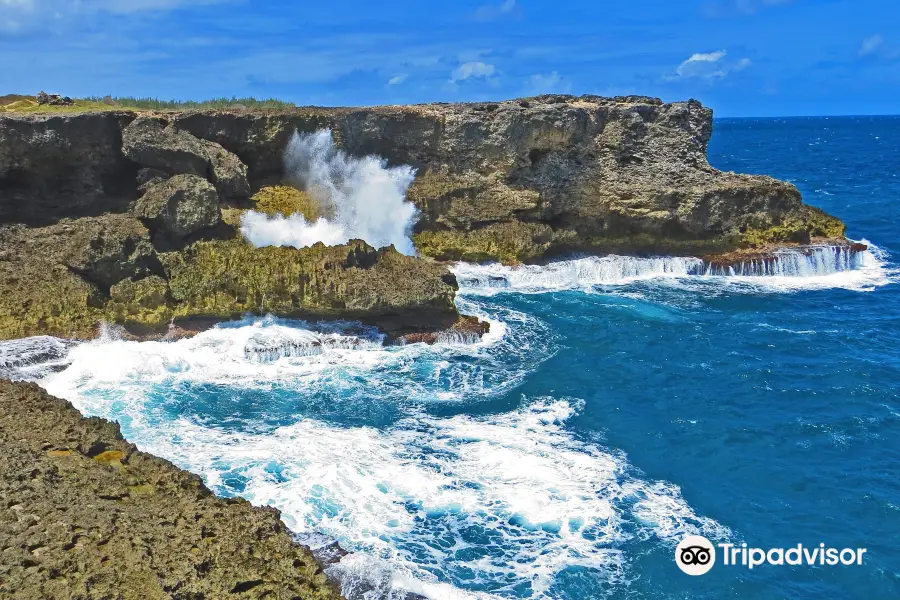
86,515
130,216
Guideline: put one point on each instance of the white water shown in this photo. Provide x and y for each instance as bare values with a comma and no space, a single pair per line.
366,198
283,429
822,267
408,494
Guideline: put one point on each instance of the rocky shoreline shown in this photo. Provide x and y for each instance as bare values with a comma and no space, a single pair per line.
87,515
131,217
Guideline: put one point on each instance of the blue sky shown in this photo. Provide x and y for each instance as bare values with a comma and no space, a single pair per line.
741,57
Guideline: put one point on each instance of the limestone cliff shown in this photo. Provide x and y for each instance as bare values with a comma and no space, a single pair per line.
516,181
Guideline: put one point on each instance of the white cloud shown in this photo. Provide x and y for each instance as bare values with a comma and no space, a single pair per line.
709,65
490,12
871,45
398,79
470,70
546,84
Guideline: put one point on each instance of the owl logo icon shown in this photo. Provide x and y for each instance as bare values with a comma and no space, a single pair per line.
695,555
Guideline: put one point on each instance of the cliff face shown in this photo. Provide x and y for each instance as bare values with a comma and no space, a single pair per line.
130,219
603,169
515,181
87,515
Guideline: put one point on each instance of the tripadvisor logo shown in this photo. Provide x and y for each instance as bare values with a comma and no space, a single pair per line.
696,555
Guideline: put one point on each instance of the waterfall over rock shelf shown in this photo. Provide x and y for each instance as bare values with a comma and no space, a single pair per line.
806,262
810,265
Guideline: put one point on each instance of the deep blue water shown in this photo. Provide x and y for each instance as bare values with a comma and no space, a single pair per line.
566,457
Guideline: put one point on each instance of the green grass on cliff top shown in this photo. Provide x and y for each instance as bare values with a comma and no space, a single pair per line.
17,103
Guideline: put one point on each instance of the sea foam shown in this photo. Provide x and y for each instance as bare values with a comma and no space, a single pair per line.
365,198
789,270
490,501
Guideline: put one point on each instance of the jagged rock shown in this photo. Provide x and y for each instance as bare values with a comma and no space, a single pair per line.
147,178
65,279
229,174
152,143
141,304
107,249
161,148
399,294
88,515
180,206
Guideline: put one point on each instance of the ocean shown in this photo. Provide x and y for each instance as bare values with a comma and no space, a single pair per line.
617,405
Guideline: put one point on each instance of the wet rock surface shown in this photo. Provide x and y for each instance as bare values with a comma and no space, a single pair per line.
86,515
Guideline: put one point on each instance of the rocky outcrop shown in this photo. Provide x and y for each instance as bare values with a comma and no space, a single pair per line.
154,144
63,166
533,176
180,206
514,181
154,254
162,149
65,279
87,515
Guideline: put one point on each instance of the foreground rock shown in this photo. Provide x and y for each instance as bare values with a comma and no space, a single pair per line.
86,515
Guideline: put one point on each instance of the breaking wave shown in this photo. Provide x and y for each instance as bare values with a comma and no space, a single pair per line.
363,198
816,267
337,431
413,457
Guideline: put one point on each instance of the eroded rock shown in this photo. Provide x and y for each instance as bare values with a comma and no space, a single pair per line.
87,515
180,206
229,174
153,143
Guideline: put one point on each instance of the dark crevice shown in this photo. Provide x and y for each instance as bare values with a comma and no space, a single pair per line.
245,586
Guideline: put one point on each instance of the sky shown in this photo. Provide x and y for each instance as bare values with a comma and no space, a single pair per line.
740,57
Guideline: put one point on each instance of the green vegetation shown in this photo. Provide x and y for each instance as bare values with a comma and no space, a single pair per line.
286,200
516,242
18,103
809,223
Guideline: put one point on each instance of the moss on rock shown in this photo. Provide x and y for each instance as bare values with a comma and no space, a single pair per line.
142,303
42,298
801,227
518,242
287,201
225,278
508,243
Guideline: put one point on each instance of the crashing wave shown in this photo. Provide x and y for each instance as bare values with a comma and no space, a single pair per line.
573,274
809,262
813,267
301,343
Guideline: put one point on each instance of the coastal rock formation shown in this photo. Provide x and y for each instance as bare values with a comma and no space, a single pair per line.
154,144
516,181
180,206
87,515
122,279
